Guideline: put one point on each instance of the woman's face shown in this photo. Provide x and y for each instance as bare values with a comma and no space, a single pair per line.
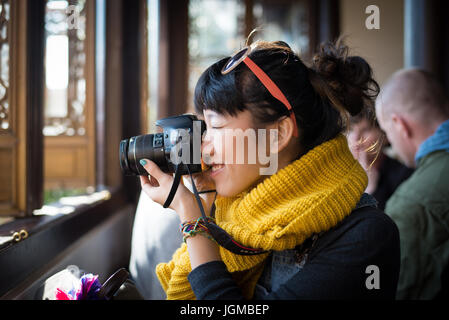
361,137
231,148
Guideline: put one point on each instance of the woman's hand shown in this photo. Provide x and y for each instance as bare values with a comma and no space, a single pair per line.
157,186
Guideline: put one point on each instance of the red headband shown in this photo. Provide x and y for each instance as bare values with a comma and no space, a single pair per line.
242,55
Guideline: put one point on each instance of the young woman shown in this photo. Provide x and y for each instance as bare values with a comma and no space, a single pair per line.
319,236
385,174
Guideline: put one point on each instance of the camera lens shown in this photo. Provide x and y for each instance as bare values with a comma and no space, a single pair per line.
132,150
180,133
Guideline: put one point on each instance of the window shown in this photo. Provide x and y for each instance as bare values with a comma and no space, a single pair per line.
12,109
219,28
152,66
5,26
215,31
283,20
69,132
81,112
46,75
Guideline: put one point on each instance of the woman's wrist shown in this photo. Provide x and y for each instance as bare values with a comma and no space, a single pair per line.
201,245
202,250
187,209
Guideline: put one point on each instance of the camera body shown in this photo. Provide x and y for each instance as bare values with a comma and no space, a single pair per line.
179,144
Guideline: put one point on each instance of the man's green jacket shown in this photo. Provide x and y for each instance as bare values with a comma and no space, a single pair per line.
420,208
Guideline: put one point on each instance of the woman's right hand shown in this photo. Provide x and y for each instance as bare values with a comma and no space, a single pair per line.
157,186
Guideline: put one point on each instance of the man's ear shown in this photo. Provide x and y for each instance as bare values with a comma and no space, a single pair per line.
401,125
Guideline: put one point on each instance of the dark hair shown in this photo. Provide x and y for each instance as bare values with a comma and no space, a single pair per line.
322,96
368,114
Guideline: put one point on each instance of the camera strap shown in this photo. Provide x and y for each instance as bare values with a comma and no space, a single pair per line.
223,238
174,187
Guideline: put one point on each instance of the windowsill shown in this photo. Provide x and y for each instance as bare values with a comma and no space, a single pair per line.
67,205
48,213
50,234
5,220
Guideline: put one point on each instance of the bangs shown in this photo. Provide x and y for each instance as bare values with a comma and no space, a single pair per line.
217,92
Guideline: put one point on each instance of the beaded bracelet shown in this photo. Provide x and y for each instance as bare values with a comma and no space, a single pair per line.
198,223
194,227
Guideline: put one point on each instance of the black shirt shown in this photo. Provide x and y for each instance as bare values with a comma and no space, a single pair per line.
339,266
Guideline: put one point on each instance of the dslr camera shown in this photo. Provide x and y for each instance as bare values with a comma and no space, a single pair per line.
178,146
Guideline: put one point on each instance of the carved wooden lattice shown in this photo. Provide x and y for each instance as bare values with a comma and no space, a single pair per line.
5,112
68,20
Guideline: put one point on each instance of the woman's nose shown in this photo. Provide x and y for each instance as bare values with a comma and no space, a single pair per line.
207,149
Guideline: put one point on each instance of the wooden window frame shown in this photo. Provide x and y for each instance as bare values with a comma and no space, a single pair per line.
81,147
116,92
21,112
24,261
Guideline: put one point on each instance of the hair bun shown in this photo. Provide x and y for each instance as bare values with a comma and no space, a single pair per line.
349,79
281,43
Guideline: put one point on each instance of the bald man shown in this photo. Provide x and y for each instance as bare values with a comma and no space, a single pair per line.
413,110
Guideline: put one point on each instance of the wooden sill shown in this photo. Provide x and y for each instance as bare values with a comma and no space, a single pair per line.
49,236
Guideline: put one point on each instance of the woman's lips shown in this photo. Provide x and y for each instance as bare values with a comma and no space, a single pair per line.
216,169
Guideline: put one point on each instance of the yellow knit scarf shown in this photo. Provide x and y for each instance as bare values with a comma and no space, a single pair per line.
310,195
